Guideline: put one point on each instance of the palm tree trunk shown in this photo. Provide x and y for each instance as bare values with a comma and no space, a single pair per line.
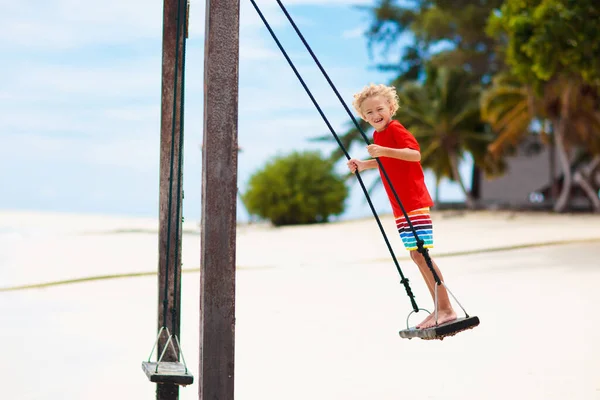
563,158
552,160
456,177
561,128
582,178
476,182
589,191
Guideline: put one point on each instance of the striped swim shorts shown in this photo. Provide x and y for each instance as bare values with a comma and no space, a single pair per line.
421,221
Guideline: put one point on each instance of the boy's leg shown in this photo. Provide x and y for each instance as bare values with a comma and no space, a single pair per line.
421,221
430,282
445,310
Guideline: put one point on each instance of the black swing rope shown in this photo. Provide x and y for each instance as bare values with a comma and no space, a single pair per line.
420,243
178,218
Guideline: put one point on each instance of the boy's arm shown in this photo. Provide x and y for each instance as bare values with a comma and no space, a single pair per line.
407,148
405,154
370,164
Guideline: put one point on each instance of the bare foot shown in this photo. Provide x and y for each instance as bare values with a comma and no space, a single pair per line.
443,317
425,321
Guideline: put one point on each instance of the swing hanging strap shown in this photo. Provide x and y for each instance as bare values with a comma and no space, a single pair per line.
178,90
403,280
169,341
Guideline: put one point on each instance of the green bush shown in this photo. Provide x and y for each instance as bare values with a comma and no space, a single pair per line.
300,188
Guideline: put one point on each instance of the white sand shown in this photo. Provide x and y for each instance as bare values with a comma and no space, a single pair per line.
318,310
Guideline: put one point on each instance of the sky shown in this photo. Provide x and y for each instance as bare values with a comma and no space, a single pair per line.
80,100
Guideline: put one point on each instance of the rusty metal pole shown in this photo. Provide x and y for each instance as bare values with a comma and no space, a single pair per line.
171,185
219,191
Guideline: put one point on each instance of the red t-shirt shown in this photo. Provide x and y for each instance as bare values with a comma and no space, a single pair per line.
406,176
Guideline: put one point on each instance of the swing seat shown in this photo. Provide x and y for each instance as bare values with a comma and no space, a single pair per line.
441,331
168,372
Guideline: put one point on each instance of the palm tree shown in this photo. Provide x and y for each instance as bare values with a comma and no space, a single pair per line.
567,109
389,21
573,112
510,108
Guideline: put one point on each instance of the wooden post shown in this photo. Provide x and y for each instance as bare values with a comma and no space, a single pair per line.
219,190
171,185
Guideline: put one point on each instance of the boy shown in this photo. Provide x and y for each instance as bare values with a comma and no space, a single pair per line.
400,156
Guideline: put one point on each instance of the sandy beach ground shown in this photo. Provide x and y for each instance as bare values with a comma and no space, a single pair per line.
318,309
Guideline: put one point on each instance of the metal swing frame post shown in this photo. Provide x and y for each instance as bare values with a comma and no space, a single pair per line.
219,196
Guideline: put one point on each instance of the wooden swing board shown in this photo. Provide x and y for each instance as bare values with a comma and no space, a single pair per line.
168,372
441,331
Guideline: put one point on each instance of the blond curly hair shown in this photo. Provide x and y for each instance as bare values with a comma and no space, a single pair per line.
387,92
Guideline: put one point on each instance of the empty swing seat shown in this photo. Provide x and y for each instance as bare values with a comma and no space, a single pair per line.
441,331
168,372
